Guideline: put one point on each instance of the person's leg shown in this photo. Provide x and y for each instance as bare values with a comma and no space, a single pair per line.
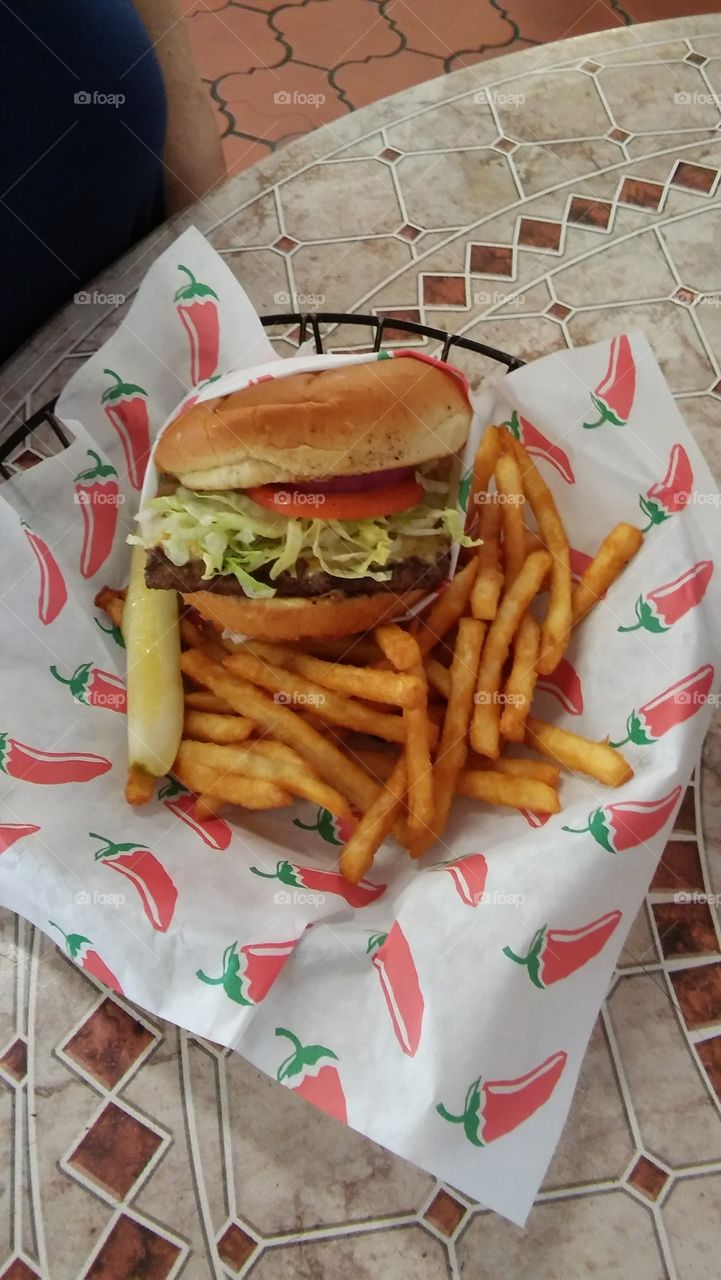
82,131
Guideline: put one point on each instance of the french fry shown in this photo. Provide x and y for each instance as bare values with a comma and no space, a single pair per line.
483,467
195,637
230,788
517,767
438,676
112,603
614,553
511,499
453,746
397,646
515,793
418,760
446,608
284,725
485,725
521,682
596,759
556,626
375,824
379,763
323,703
202,700
205,726
265,760
353,682
489,577
356,649
140,786
533,541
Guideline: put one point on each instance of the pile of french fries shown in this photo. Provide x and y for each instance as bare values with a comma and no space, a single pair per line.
383,730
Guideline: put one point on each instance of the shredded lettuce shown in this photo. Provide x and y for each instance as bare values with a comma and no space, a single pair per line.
232,534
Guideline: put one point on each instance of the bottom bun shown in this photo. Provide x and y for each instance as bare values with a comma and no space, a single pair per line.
295,617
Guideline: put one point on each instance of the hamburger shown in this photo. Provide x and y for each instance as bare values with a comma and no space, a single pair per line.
311,505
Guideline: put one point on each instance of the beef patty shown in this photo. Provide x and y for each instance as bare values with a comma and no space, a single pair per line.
407,575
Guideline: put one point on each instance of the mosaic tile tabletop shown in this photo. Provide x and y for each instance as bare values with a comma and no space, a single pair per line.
550,197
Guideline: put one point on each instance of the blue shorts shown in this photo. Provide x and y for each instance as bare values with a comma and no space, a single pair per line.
82,130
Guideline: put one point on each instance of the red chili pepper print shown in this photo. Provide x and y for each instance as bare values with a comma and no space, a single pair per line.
94,687
659,609
617,827
48,768
53,593
614,395
330,828
672,494
81,950
98,494
468,875
394,963
126,408
535,819
496,1107
247,975
312,1078
157,892
321,882
213,831
676,704
555,954
197,307
12,831
539,446
564,684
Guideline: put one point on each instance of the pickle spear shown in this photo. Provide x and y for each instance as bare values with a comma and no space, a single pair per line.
154,683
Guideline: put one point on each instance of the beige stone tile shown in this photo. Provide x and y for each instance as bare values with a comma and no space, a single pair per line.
351,199
591,1236
678,1123
658,51
392,1255
651,101
639,947
692,244
710,45
256,224
455,189
692,1218
527,338
9,963
264,277
295,1168
708,313
634,268
368,146
340,274
531,114
667,326
596,1142
7,1151
666,141
540,167
463,123
536,298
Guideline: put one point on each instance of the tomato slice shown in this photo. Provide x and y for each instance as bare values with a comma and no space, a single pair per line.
387,500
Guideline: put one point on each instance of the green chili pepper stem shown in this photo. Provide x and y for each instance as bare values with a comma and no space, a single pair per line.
212,982
281,1031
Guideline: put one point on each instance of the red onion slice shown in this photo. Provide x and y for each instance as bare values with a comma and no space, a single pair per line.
352,484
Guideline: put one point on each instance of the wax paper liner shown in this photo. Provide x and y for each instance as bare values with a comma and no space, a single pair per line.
405,999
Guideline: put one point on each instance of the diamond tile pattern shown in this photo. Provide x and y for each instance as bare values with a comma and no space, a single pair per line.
108,1043
115,1150
323,1200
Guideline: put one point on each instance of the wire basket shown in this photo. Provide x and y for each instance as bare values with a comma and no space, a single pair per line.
43,434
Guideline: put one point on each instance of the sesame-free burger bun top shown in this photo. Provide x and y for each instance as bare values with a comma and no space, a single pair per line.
345,421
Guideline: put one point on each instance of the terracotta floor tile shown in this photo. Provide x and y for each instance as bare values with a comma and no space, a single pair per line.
329,33
430,27
15,1059
235,1246
19,1270
647,1178
234,40
686,817
685,929
115,1150
445,1213
679,867
361,83
131,1251
709,1051
698,992
278,105
108,1043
